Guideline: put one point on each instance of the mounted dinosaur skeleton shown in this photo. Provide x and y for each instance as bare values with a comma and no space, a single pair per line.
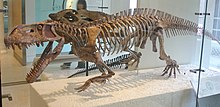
118,33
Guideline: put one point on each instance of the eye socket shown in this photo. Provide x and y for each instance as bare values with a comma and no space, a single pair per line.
31,30
74,12
40,27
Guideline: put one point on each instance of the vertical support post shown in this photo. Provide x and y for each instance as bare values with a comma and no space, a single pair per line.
1,83
201,56
87,68
102,5
2,30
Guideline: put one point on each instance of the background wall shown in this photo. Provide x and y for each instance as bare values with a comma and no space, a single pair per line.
30,18
119,5
180,48
15,18
1,28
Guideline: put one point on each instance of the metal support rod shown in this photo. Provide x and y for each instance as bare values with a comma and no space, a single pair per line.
63,5
102,5
53,5
87,68
201,56
1,10
1,83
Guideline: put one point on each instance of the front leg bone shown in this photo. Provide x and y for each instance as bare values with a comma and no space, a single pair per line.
98,79
172,65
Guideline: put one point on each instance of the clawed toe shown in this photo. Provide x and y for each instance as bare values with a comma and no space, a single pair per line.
171,69
98,79
84,86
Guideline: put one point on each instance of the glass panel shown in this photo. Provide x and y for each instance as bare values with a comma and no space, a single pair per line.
208,85
215,24
216,32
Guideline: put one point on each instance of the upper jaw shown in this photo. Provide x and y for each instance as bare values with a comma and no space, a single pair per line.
27,35
23,38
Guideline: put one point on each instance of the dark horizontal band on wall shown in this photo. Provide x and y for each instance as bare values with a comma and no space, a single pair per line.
202,13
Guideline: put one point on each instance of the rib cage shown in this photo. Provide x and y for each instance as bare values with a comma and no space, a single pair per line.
130,28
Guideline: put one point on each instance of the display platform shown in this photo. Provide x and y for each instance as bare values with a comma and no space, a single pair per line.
209,82
142,88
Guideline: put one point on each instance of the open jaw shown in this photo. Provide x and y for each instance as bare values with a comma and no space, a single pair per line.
46,57
24,36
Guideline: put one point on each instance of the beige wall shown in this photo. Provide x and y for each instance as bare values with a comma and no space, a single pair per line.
15,18
15,13
1,27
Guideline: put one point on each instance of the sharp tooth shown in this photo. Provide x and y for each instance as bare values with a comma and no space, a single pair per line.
28,44
8,46
19,46
35,72
42,44
37,44
31,74
28,75
13,47
35,68
35,65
